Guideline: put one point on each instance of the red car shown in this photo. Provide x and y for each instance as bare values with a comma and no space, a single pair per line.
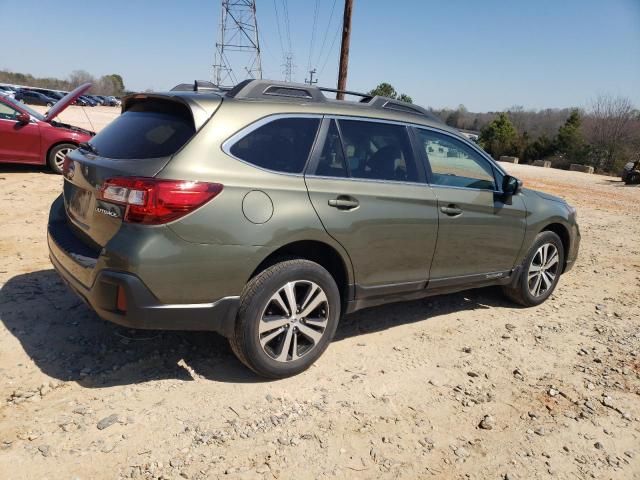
27,136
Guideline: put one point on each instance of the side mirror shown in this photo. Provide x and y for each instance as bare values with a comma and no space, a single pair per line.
23,118
510,185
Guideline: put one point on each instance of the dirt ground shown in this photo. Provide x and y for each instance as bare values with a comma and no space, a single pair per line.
463,386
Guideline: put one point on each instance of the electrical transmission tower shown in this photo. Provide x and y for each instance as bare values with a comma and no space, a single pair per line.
288,67
238,47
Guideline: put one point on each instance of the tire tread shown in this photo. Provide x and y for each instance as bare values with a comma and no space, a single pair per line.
246,297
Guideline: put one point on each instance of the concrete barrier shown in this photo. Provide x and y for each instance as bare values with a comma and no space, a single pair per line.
542,163
509,159
574,167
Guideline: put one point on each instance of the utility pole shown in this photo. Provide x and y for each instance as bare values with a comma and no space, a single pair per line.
344,50
311,81
237,53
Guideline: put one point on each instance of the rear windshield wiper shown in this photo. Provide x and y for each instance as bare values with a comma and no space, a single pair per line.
90,148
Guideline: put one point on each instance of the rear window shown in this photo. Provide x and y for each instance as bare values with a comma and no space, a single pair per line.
282,145
148,129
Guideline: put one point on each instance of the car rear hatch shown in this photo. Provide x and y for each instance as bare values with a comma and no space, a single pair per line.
139,143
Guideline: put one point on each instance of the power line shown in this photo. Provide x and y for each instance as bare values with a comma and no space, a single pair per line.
326,31
275,5
333,42
313,33
287,24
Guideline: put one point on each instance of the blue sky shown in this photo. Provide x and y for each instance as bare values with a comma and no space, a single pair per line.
487,55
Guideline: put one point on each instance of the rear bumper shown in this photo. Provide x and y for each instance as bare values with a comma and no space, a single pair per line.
144,310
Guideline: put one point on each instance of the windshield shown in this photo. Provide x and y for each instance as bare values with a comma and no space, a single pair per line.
24,107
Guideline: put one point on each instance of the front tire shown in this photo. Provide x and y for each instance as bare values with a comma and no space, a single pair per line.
55,159
540,273
288,315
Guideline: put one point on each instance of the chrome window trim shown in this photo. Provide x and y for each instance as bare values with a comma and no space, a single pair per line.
435,185
246,130
370,180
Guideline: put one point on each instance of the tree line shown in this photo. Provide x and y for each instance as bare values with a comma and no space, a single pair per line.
605,135
105,85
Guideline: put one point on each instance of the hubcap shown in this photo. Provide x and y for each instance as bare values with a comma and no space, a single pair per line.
543,269
294,321
59,158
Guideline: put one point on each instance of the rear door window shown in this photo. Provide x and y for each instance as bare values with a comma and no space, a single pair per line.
331,162
282,145
376,150
148,129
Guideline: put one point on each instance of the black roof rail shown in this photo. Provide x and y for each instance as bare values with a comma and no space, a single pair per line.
365,96
400,106
255,89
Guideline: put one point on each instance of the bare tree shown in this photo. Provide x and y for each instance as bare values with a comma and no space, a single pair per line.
609,129
105,85
78,77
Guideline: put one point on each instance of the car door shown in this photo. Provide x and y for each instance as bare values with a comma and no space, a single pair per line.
19,142
369,193
480,231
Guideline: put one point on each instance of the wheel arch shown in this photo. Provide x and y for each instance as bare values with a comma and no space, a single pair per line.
563,232
316,251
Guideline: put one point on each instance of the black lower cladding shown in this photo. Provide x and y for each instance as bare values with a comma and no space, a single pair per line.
73,263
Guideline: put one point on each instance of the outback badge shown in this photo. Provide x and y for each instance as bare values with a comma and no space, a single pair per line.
113,211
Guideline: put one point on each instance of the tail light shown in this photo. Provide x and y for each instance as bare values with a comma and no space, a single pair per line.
152,201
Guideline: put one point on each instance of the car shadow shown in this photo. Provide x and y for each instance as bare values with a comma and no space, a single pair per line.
616,183
23,168
69,342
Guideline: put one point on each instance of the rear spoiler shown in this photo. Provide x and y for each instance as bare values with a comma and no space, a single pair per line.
200,108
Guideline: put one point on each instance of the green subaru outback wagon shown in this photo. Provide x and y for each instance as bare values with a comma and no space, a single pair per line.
267,211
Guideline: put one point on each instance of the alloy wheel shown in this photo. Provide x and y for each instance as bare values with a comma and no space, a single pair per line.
60,155
294,321
543,269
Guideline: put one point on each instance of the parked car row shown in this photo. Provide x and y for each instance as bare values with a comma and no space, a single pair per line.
47,98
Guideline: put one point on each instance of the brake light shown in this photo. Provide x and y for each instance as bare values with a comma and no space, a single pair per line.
152,201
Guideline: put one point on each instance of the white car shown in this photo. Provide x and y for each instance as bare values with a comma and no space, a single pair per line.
7,91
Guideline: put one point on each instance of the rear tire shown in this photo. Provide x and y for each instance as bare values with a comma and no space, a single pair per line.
540,273
276,339
55,159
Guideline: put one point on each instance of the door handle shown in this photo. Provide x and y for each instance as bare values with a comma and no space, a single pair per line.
451,210
344,202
